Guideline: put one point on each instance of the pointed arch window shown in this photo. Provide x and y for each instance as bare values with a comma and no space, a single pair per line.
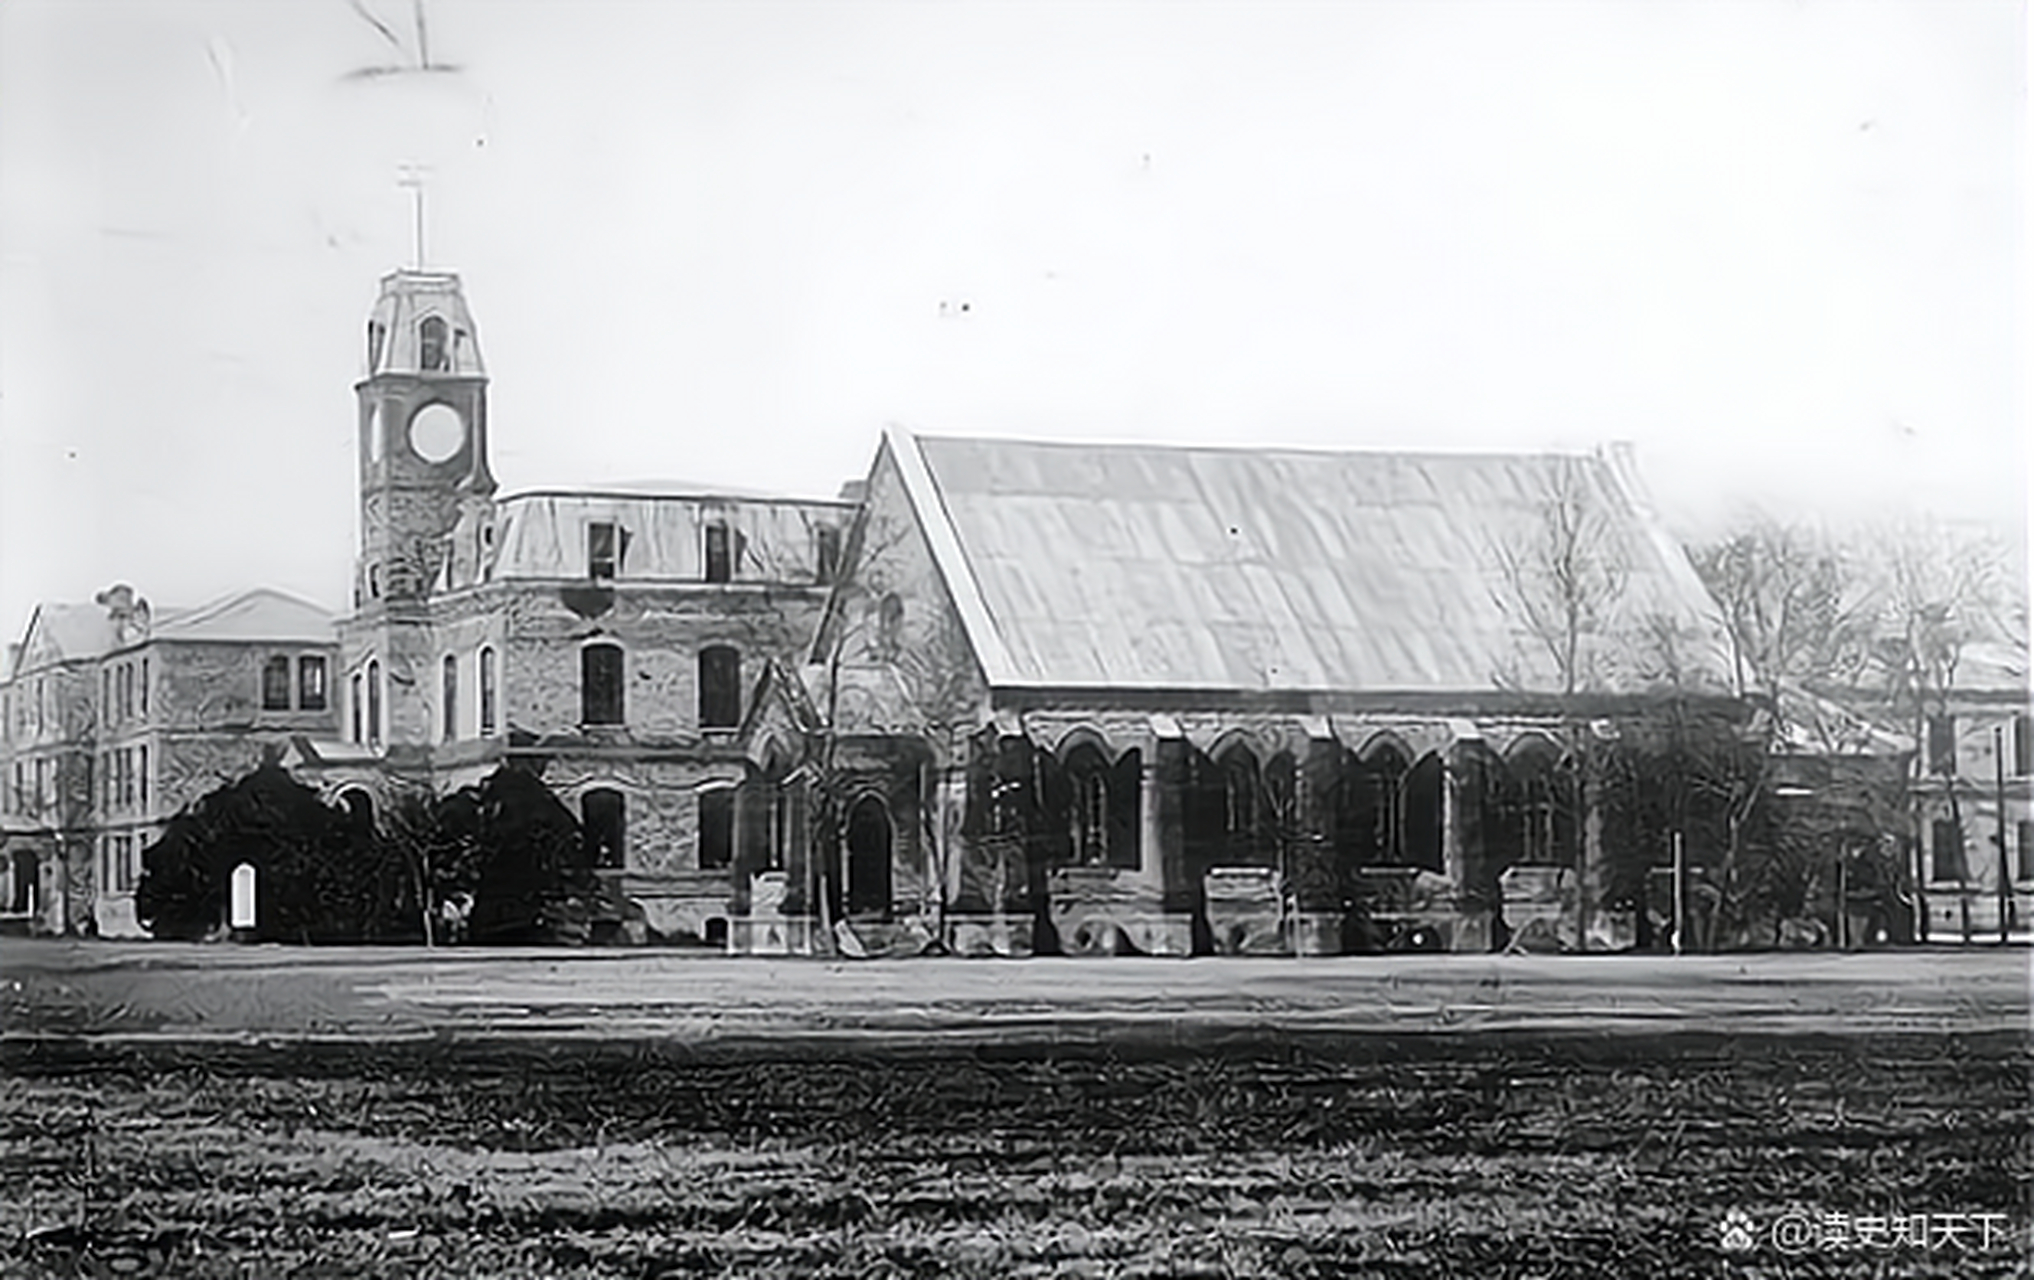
431,350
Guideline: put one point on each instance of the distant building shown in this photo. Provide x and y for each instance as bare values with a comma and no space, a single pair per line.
1160,699
1972,795
113,716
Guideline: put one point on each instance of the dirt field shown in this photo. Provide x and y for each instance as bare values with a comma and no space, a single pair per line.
193,1112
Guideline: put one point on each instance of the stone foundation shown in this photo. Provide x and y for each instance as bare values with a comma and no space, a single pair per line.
989,935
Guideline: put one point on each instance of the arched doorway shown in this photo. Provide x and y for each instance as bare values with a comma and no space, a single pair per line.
868,858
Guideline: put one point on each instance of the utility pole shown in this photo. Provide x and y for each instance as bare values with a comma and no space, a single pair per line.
2005,879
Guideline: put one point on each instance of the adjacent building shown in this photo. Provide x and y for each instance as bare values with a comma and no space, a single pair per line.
114,715
1164,700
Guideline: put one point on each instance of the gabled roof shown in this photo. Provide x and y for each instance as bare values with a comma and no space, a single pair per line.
1143,566
259,614
59,632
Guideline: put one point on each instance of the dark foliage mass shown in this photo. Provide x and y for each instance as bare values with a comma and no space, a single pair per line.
497,862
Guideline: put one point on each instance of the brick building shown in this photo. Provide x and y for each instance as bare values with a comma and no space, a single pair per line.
114,715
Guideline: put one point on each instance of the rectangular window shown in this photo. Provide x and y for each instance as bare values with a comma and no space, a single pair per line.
275,684
600,684
357,707
311,683
127,777
719,554
2025,871
126,691
720,687
144,688
373,702
1942,745
141,776
1948,847
106,696
716,828
2023,746
601,559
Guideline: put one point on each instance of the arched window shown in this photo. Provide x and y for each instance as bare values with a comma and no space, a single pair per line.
486,680
431,345
374,702
720,687
603,827
375,335
359,709
450,698
600,684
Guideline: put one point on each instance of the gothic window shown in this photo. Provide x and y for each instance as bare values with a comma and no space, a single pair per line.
600,684
374,702
431,345
600,551
450,697
603,827
1948,846
1091,818
275,684
310,684
719,554
720,688
716,828
486,681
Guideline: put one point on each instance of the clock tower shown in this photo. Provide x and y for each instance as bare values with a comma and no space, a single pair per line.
423,435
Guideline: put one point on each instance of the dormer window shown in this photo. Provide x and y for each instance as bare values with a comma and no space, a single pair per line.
376,336
431,345
602,548
719,554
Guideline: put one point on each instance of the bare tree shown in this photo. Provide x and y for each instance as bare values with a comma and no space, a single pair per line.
1564,580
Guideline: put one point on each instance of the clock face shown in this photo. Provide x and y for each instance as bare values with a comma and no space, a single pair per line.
437,432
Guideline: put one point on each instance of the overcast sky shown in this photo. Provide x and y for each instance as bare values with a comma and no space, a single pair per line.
1777,245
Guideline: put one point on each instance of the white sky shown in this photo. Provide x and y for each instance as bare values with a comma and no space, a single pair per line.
1779,245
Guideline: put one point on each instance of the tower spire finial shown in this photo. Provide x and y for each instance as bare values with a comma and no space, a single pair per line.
415,177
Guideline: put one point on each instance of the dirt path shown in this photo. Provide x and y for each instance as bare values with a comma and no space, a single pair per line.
116,992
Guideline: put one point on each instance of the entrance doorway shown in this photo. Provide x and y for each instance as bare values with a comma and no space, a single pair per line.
868,859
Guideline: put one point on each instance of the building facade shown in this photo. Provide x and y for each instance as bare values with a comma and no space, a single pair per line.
604,640
1101,699
115,715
